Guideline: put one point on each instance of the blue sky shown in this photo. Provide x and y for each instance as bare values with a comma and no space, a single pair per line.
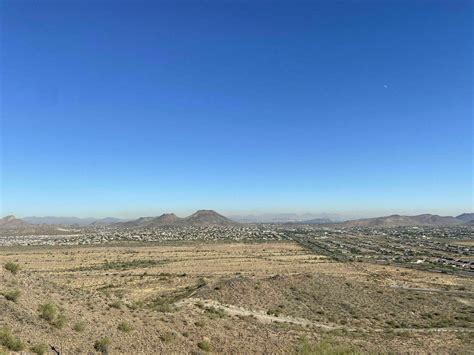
138,108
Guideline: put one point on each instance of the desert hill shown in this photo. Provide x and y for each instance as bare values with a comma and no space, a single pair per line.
207,217
404,221
11,222
466,217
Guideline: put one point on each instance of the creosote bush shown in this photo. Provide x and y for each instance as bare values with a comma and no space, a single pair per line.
60,321
213,312
14,268
50,313
125,327
79,326
8,340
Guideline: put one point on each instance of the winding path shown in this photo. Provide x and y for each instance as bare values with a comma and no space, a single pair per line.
266,318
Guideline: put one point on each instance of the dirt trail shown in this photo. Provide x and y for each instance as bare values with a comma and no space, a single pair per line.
260,315
434,290
266,318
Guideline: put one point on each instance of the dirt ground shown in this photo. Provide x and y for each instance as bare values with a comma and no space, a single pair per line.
226,298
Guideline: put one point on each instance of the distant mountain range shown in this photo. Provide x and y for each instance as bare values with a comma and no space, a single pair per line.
201,217
106,221
466,217
401,221
288,218
318,221
72,220
210,217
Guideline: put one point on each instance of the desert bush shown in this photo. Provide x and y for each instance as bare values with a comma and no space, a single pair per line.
79,326
213,312
59,322
12,267
39,349
125,327
163,304
102,345
204,345
12,295
50,313
8,340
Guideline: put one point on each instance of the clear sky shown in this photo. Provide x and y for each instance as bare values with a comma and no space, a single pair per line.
138,108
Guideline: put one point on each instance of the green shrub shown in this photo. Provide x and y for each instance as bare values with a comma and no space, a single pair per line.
8,340
125,327
12,267
59,321
39,349
213,312
50,313
12,295
79,326
164,303
204,345
102,345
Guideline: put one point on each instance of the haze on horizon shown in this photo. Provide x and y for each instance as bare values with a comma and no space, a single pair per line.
130,109
253,215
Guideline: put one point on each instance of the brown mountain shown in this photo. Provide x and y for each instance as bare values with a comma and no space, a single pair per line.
137,223
402,221
201,217
206,217
167,219
435,220
11,222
